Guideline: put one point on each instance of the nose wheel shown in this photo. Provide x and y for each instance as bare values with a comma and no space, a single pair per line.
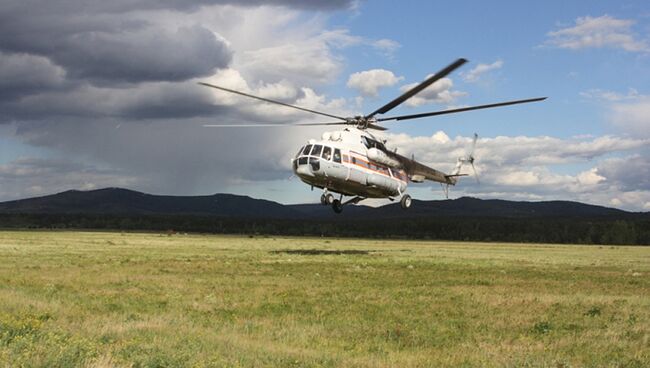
405,202
337,206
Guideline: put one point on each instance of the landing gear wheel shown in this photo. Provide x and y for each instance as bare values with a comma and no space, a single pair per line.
337,206
405,202
326,199
329,199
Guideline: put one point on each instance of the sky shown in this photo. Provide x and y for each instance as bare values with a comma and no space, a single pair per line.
98,94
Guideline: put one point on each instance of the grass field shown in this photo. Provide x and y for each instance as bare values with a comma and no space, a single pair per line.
151,300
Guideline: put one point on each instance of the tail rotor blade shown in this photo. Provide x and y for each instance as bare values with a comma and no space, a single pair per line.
475,173
471,151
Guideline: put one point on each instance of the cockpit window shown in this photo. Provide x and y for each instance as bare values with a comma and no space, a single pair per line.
307,149
316,150
365,142
300,151
327,153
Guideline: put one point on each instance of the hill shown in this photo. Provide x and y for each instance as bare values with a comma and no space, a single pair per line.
118,201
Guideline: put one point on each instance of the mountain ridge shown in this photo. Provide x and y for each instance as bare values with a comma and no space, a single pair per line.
120,201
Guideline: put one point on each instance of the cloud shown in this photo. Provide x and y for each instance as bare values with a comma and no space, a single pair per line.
514,151
632,117
369,82
121,6
599,32
474,74
542,168
630,173
439,92
312,59
24,74
131,102
386,46
31,176
629,112
611,96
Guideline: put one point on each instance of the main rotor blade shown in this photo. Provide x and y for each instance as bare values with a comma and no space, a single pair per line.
413,91
453,111
376,127
271,101
269,125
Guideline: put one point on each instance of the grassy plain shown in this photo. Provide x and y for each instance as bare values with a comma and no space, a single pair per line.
150,300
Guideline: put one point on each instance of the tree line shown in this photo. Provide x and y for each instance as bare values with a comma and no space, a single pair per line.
629,230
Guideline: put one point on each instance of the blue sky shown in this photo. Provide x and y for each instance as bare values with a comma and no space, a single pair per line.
113,101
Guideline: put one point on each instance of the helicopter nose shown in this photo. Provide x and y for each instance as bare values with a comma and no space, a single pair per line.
303,167
304,170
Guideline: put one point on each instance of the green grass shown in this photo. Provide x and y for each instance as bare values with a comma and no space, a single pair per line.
150,300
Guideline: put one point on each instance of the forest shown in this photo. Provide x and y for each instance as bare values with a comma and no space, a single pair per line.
619,230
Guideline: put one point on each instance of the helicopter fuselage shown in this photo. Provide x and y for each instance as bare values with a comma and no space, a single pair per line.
349,162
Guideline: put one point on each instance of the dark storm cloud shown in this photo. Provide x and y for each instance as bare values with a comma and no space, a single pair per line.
23,74
109,55
145,55
169,157
112,84
122,6
52,54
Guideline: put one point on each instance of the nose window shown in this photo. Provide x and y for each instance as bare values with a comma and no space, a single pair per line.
307,149
317,149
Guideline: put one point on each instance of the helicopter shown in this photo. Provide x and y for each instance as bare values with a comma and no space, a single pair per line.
352,162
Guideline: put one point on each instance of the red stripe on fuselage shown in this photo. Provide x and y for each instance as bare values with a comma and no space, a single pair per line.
348,159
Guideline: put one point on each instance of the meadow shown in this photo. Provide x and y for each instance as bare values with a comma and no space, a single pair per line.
110,299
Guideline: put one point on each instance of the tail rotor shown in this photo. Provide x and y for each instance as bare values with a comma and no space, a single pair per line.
469,159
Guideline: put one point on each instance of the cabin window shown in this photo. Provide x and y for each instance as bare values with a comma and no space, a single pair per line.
327,153
307,149
317,149
371,143
337,155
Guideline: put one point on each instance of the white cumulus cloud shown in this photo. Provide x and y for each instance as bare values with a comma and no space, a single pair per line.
439,92
369,82
542,168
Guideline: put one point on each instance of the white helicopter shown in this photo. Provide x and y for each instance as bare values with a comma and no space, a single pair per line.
352,162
